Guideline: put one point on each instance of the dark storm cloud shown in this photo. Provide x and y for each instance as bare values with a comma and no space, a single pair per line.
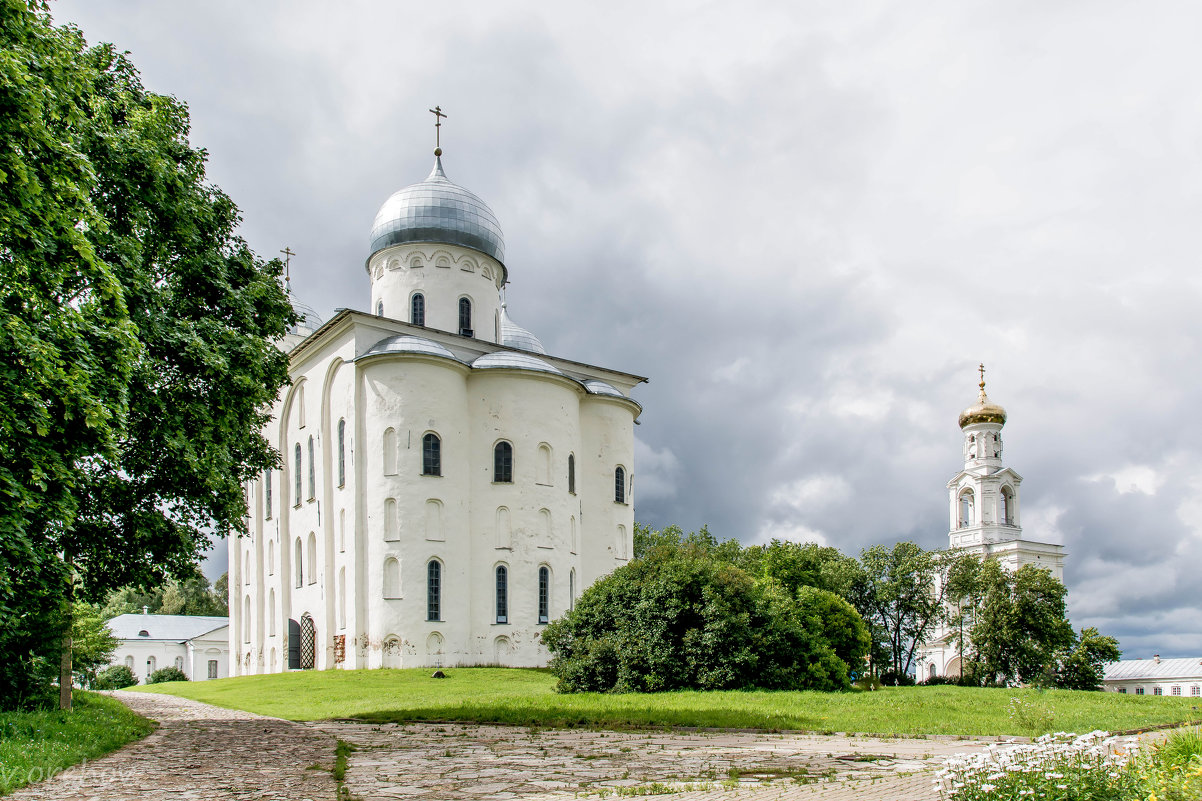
806,224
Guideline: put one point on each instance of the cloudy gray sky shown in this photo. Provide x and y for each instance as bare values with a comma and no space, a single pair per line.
807,222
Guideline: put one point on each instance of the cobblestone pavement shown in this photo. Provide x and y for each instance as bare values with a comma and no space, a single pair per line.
431,762
201,752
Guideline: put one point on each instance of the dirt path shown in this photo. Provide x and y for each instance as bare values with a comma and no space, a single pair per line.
201,752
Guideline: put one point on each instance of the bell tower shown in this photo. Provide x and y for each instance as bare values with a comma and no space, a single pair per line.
984,505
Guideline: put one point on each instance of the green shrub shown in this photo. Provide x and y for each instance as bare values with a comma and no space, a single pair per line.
681,619
114,677
166,674
891,679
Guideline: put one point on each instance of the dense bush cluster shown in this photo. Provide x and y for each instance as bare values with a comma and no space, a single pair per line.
682,618
166,674
114,677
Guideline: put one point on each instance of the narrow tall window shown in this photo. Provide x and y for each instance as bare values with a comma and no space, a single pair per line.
434,590
312,472
1006,512
502,594
502,463
390,452
417,310
380,308
465,317
297,561
544,593
572,590
392,577
271,613
620,485
431,455
267,491
572,473
312,558
297,475
271,557
342,452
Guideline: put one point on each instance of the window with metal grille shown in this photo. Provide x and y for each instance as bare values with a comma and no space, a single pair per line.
620,485
342,452
308,643
267,491
1176,691
1139,690
212,668
544,592
434,590
465,317
431,455
1158,691
417,309
502,463
502,594
572,473
1195,691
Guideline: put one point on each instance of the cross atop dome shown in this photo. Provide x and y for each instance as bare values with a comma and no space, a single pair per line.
438,118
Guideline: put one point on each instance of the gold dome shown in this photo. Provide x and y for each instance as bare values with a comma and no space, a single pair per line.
984,410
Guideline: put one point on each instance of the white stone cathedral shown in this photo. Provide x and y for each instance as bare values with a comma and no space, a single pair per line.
448,487
984,508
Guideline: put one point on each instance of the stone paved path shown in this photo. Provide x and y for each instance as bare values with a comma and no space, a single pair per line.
201,752
432,762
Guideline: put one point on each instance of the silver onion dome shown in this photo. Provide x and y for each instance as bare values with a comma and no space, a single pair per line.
307,319
437,210
514,336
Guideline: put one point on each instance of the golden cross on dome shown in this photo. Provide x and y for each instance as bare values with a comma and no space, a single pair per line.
982,384
288,254
438,118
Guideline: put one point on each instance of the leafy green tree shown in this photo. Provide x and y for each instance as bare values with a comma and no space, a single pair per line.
92,643
838,622
795,565
1083,664
680,618
899,594
190,596
114,677
137,336
1019,626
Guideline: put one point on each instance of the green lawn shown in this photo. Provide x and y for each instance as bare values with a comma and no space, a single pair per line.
36,745
527,697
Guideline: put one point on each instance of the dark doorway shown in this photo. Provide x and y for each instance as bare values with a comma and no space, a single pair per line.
294,639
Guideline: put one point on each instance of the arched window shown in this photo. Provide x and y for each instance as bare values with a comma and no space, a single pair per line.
572,473
431,455
966,509
1006,512
380,308
434,590
417,309
267,491
544,594
297,475
434,519
465,317
151,663
390,452
620,543
312,472
502,463
504,530
271,557
544,464
620,485
300,406
342,598
341,529
298,561
392,577
271,613
246,619
572,535
572,590
129,662
342,452
312,558
391,521
502,594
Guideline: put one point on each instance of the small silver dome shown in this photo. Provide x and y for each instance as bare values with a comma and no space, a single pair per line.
514,336
437,210
595,387
513,361
309,320
407,344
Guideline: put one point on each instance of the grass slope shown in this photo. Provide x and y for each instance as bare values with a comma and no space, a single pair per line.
36,745
527,697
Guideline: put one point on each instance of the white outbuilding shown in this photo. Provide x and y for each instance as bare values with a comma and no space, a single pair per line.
196,644
1155,676
448,486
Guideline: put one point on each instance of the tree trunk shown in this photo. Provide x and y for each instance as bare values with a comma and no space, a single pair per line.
65,679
